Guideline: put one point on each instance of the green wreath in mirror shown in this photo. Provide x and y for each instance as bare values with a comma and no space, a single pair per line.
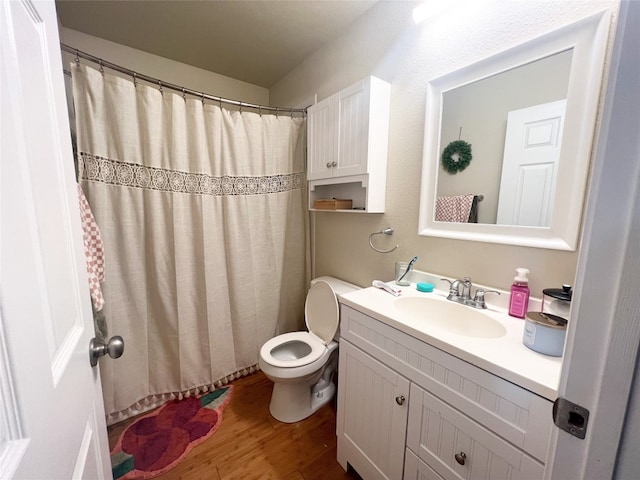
456,156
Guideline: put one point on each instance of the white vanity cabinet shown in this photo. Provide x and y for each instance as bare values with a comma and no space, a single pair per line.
451,419
347,142
372,415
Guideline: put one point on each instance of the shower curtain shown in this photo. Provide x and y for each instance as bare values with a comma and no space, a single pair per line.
202,212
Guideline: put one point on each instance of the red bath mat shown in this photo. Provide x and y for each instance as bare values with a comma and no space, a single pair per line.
155,443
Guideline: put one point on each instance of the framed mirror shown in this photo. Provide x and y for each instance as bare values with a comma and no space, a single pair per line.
508,141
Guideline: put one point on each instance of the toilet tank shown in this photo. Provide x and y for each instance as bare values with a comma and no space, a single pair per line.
340,287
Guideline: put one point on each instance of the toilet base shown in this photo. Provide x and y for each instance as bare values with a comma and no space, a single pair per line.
291,402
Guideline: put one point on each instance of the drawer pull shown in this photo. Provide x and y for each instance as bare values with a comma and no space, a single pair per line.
461,457
400,400
328,164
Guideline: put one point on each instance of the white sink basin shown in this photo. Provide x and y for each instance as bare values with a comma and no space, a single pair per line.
450,316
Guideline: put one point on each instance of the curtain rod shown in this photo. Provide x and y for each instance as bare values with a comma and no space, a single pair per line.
185,91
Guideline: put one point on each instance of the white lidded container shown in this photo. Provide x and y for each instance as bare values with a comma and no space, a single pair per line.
544,333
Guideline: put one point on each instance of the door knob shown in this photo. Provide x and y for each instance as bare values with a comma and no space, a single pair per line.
114,347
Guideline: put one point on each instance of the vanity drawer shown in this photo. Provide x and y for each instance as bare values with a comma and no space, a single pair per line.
518,415
416,469
438,433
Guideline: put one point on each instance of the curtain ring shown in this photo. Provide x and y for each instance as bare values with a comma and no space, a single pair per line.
260,110
77,59
240,108
202,98
291,112
101,67
220,102
276,112
160,87
135,79
184,94
386,231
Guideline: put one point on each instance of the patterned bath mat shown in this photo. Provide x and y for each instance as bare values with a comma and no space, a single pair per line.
155,443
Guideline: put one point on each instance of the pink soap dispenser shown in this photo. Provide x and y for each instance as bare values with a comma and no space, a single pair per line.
519,302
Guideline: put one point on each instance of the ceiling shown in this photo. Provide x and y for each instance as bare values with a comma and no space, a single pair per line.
257,41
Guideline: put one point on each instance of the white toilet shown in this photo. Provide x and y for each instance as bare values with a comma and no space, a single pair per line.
301,364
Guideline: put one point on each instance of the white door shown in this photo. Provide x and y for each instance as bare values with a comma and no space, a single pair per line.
603,338
52,422
529,166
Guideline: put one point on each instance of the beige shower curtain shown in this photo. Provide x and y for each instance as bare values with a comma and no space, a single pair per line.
203,219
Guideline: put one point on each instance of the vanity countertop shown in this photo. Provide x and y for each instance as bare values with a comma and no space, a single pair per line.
505,356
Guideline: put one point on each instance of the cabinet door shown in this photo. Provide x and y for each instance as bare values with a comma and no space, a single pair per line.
322,147
456,447
353,130
372,415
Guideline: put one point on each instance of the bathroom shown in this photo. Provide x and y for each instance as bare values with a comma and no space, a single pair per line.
385,42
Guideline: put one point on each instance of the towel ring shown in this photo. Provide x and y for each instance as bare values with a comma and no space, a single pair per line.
386,231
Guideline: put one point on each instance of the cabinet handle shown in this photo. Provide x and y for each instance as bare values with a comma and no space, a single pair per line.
400,400
461,457
334,164
328,164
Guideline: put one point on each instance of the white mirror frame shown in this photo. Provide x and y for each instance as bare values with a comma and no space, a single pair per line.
588,39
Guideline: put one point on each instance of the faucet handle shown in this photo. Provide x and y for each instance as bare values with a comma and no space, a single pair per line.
454,289
479,297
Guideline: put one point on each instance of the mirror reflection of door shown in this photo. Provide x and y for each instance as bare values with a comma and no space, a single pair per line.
530,165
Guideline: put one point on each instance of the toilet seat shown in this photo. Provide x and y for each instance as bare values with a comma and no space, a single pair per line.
321,317
316,346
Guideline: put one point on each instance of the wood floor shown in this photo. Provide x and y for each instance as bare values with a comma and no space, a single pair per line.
250,444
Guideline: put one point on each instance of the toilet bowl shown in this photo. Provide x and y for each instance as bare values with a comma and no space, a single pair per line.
301,364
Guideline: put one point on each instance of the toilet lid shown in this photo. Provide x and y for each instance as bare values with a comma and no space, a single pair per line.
321,311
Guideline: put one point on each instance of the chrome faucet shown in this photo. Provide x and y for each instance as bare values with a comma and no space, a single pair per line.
464,296
466,291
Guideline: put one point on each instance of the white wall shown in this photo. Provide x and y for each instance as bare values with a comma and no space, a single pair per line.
163,68
386,43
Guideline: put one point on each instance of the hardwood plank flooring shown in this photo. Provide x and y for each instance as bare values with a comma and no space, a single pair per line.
250,444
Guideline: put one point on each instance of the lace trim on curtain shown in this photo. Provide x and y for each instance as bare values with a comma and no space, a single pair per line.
115,172
153,401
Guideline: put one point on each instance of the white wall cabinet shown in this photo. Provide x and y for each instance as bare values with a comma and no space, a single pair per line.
347,143
456,421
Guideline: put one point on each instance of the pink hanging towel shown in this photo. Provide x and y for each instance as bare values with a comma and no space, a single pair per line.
454,209
94,251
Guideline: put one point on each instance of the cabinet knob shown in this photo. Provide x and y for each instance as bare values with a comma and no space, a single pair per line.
328,164
400,400
460,457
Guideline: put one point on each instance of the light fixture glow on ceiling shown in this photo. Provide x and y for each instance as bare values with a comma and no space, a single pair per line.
429,8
